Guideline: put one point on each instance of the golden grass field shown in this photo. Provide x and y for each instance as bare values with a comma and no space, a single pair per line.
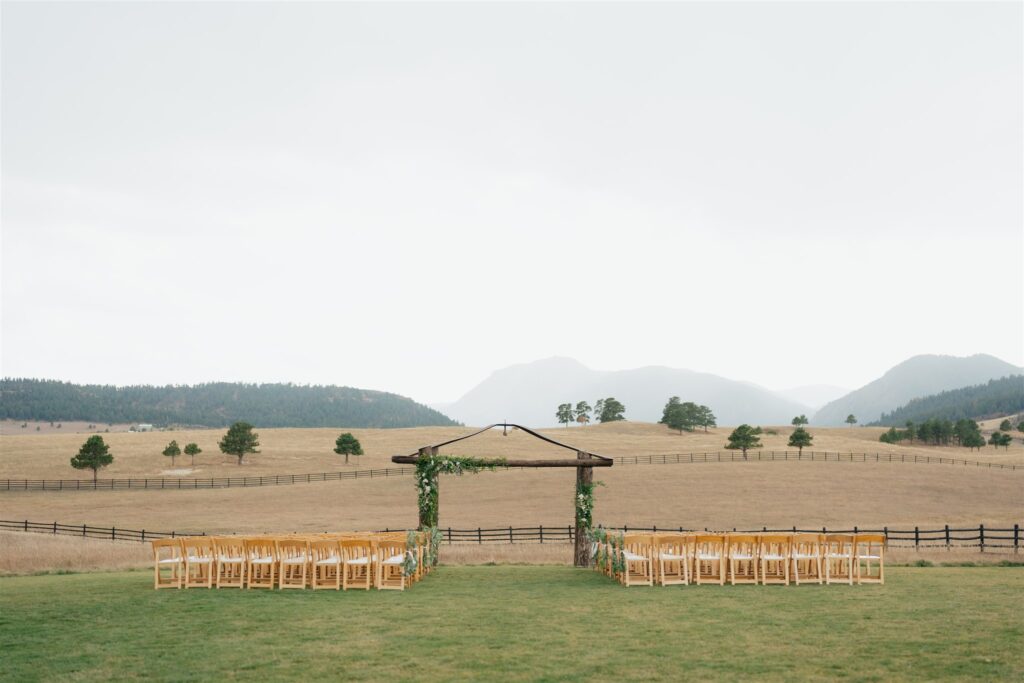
715,495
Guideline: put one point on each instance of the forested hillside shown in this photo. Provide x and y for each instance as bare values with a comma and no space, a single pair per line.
995,398
213,405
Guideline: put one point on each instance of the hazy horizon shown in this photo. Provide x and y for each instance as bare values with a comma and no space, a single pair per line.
408,197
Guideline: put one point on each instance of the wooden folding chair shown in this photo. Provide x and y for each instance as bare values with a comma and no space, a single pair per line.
673,561
292,562
230,552
325,556
869,558
774,554
637,553
356,563
200,561
709,558
260,562
741,550
391,565
838,558
168,563
806,558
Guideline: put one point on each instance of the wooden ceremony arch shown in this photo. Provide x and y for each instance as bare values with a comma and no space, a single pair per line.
584,464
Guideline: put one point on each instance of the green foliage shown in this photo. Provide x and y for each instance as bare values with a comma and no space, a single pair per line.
706,418
610,410
1005,426
800,439
93,455
214,405
193,450
565,414
681,416
347,445
585,504
891,436
428,467
409,563
999,439
996,397
583,412
744,438
239,440
851,420
799,420
172,451
674,403
973,440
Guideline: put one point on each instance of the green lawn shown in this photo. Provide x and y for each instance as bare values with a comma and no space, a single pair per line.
518,623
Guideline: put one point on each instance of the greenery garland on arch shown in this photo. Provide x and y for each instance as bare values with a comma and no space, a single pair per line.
430,466
585,504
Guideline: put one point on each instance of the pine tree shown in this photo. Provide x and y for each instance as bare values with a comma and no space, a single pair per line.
851,420
743,438
172,451
799,420
193,450
706,418
93,455
347,445
800,438
239,440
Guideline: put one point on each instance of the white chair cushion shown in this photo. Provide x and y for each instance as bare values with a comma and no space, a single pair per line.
799,556
670,556
708,556
868,557
225,558
736,556
199,560
395,559
171,560
773,557
293,560
329,560
262,560
358,560
840,556
633,557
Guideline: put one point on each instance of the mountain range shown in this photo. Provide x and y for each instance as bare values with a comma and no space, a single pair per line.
529,393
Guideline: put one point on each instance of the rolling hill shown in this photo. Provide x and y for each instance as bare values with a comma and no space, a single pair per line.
214,405
997,397
916,377
529,393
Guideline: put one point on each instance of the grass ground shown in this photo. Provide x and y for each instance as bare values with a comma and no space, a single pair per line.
518,623
695,495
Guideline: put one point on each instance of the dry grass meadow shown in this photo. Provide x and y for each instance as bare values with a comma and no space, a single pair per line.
715,495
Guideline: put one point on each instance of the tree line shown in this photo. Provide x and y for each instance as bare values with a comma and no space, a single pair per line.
941,432
605,410
1003,396
686,416
239,441
215,404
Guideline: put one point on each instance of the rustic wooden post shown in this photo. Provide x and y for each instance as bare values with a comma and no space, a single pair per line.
427,520
584,477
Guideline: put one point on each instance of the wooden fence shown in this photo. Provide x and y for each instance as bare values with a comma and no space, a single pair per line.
981,537
177,484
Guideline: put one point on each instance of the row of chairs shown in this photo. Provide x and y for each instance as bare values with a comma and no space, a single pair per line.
681,558
340,561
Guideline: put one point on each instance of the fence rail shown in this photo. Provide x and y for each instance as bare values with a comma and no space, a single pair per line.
176,484
980,537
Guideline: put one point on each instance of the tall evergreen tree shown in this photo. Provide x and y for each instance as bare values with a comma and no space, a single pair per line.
239,440
347,445
172,451
93,455
706,418
193,450
743,438
799,420
851,420
800,438
673,403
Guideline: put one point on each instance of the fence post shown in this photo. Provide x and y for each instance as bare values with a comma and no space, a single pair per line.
83,531
1016,538
541,533
917,538
981,536
26,525
143,535
113,534
510,539
55,528
947,537
479,536
449,535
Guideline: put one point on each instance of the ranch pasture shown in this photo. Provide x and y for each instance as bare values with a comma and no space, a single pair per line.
714,495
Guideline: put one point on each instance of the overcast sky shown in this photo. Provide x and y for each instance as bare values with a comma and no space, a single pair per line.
408,197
